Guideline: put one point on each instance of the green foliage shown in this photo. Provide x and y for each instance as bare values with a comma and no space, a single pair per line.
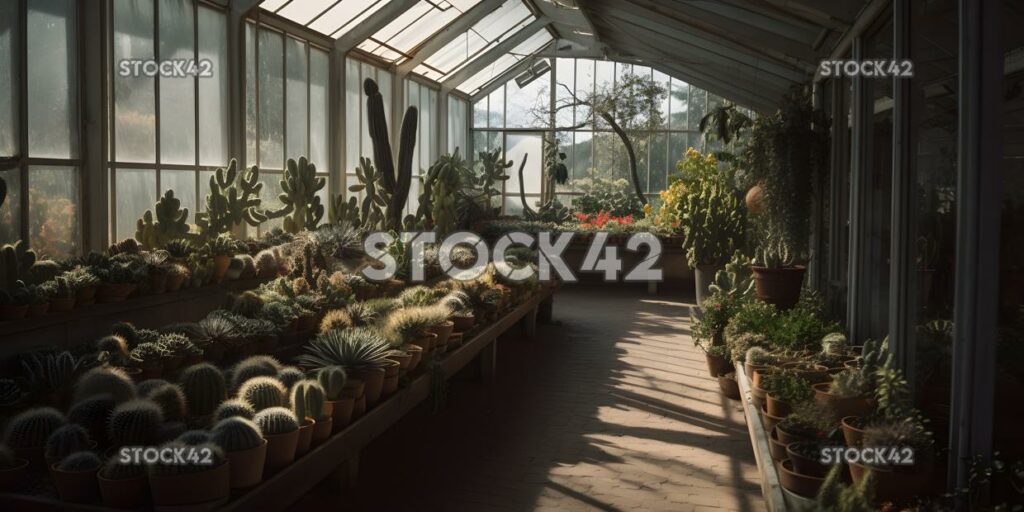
332,379
236,433
351,348
725,123
751,317
300,185
420,295
235,407
135,423
375,197
80,461
835,496
178,345
233,199
262,392
110,381
276,420
601,194
204,388
788,386
739,345
714,223
810,419
170,222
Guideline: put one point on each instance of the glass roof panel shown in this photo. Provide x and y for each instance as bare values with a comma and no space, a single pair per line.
414,26
522,51
329,17
497,26
302,11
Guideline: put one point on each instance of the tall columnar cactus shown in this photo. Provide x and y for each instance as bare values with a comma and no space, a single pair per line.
170,222
714,224
308,399
16,264
276,420
135,423
236,434
234,198
300,185
396,180
443,180
33,427
262,392
204,387
332,379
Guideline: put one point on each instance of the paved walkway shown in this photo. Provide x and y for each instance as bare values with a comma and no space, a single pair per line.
610,410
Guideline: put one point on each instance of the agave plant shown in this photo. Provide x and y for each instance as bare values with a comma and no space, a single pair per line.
350,348
50,372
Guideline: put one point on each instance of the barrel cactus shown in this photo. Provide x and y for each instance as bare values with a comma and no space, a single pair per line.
67,439
236,434
204,388
33,427
105,381
145,387
93,413
194,437
253,366
332,379
234,407
263,392
308,399
216,458
135,423
289,375
80,462
116,469
276,420
171,400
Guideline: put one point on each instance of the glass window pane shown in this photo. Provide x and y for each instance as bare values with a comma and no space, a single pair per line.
698,105
503,63
318,106
251,123
457,126
584,86
565,84
384,80
301,12
271,191
414,26
10,212
345,15
134,96
297,113
54,229
177,95
583,156
52,75
660,165
183,183
524,105
353,107
496,109
213,91
489,31
663,80
678,97
8,82
271,99
135,192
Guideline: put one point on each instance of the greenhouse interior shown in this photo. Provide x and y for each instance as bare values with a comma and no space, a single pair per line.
511,255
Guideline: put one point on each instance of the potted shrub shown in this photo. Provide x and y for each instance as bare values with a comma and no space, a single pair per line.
777,278
362,352
808,422
896,482
199,482
14,303
157,270
13,470
75,477
244,446
123,485
27,433
718,358
336,406
307,401
785,389
848,394
149,357
280,428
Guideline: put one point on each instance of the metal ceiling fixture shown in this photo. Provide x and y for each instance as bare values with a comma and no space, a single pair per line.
537,70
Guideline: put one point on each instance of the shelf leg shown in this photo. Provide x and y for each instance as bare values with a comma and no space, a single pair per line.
488,362
545,312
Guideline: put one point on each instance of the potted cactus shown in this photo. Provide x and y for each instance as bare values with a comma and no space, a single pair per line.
777,278
177,275
245,447
28,432
75,477
412,326
85,283
14,303
149,357
110,381
307,401
60,294
336,405
222,249
714,226
362,352
135,423
13,470
204,387
233,407
64,441
123,484
263,392
280,428
117,281
205,481
92,413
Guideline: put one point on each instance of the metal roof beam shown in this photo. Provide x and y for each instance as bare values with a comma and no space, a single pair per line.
372,24
741,97
491,55
244,6
775,9
449,33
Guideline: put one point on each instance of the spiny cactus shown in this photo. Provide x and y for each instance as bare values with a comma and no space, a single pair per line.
116,469
289,375
143,388
835,496
16,262
11,393
80,461
93,413
168,468
33,427
395,180
67,439
234,407
105,381
344,212
194,437
262,392
375,198
300,185
332,379
308,399
204,388
116,349
236,434
254,366
442,183
335,319
774,253
266,263
170,222
233,199
410,323
135,423
276,420
171,400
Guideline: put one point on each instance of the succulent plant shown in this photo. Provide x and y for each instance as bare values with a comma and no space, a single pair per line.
262,392
145,387
332,379
194,437
33,427
179,248
335,319
266,263
232,408
11,393
236,434
300,184
834,343
758,356
50,372
899,434
216,458
233,199
289,375
116,469
204,388
113,382
135,423
254,366
177,345
148,354
171,400
67,439
248,304
849,383
740,344
115,349
308,399
132,334
93,413
411,323
351,348
420,295
276,420
80,461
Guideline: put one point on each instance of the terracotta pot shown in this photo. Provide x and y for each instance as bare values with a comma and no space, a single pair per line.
755,379
247,466
416,352
717,365
851,434
802,485
776,448
114,292
305,437
280,451
14,478
778,407
463,323
789,437
220,267
175,281
373,378
341,415
13,311
86,295
842,405
76,486
206,486
157,284
401,357
35,455
426,342
758,396
730,388
815,375
804,465
895,486
391,372
126,494
751,369
322,430
779,286
852,364
36,310
455,340
61,305
359,409
442,331
769,421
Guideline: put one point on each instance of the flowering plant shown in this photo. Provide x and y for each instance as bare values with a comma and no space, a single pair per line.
601,219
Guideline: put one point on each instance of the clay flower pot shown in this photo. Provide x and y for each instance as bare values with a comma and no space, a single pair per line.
13,311
426,342
455,340
359,409
61,305
35,310
401,357
76,486
341,414
851,434
206,486
174,282
803,464
843,405
779,286
157,283
789,437
247,466
463,323
322,430
717,365
896,486
769,421
373,378
220,267
114,292
86,295
801,485
280,451
390,384
305,437
125,494
730,388
12,479
758,396
36,457
751,369
778,407
442,331
776,448
416,354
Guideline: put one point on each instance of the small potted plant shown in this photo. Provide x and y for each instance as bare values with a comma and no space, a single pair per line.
245,447
157,269
777,278
718,359
75,477
60,293
204,481
13,470
411,325
849,394
123,484
14,302
28,432
148,357
337,406
808,422
118,281
222,249
727,383
307,401
280,428
362,352
899,436
85,283
235,268
177,275
64,441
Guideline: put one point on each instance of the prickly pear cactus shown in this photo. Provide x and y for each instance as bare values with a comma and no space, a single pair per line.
234,198
396,181
374,197
300,185
170,223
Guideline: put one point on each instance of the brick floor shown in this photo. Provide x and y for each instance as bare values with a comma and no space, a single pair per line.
609,409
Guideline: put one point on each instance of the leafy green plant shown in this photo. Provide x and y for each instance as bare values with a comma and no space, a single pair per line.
787,386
